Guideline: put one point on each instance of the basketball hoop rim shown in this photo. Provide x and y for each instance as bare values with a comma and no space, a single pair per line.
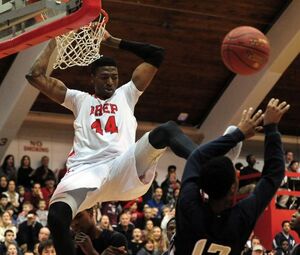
105,14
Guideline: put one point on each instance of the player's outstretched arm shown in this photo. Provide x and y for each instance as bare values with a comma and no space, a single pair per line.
151,54
51,87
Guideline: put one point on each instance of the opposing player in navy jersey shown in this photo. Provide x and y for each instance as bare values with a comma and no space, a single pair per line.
216,226
105,163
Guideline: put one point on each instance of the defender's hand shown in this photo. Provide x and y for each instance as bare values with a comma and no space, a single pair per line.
249,123
275,111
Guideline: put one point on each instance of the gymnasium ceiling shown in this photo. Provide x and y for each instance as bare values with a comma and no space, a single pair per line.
192,78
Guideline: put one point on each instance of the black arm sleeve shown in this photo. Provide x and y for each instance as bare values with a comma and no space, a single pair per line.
151,54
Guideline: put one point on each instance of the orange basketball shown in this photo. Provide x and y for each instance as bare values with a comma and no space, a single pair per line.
245,50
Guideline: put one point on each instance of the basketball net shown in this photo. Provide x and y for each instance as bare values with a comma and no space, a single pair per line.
81,47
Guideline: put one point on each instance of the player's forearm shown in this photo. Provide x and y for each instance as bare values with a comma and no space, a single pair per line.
150,53
39,68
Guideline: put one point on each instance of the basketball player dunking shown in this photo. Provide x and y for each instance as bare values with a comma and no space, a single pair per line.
216,225
105,163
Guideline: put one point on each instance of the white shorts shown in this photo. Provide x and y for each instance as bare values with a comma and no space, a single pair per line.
110,181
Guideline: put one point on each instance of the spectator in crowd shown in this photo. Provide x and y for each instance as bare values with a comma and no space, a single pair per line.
289,157
27,235
148,248
26,207
283,248
42,212
25,172
149,194
171,169
104,223
254,240
43,172
133,207
61,172
141,222
284,235
9,237
3,183
125,227
12,249
92,240
44,235
4,204
46,248
136,243
48,190
5,224
21,192
156,202
258,250
160,243
148,230
169,186
294,183
8,168
111,209
170,234
35,195
248,185
29,253
12,195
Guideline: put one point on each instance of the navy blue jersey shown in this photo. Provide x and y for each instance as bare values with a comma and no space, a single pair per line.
199,229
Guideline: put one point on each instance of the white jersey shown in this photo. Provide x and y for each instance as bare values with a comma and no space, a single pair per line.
104,129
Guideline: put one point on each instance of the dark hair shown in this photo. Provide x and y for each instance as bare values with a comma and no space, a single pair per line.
118,240
8,231
217,177
172,168
292,162
4,165
287,151
45,244
103,61
238,166
283,222
248,157
23,159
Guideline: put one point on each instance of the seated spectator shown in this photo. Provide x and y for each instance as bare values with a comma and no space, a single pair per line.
25,173
4,204
104,223
26,207
248,185
3,184
12,195
44,235
43,172
294,183
136,243
249,247
21,192
258,250
49,189
61,173
27,235
147,215
133,207
160,243
289,157
46,248
148,230
112,210
93,239
42,212
169,186
284,235
35,195
9,237
156,202
6,224
125,227
148,248
283,249
8,168
149,194
12,249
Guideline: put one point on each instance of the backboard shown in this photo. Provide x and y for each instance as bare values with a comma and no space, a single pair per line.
24,23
